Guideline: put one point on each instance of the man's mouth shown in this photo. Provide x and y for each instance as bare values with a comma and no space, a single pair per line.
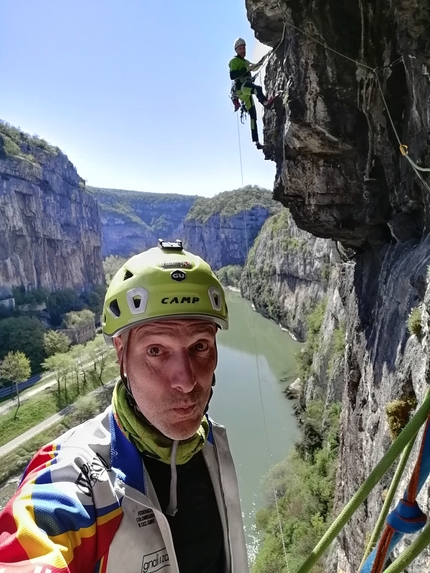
185,410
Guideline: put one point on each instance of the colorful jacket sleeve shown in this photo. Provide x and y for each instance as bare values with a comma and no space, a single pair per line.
63,515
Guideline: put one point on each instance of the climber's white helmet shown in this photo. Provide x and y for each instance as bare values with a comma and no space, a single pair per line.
239,42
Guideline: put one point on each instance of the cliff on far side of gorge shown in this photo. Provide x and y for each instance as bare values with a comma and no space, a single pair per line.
223,228
133,221
50,226
289,276
354,80
286,273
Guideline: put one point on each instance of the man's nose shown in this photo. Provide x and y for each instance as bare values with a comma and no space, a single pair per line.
182,375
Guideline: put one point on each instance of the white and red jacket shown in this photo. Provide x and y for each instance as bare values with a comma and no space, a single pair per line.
86,504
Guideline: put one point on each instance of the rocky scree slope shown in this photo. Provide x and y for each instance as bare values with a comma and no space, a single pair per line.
49,225
340,173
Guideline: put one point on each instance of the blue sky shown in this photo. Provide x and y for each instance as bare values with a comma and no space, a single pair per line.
134,92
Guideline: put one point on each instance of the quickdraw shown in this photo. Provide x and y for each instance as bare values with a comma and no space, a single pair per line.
238,105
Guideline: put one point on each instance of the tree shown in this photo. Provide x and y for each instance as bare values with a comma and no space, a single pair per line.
60,302
24,334
55,342
79,356
16,368
61,365
93,299
31,297
111,266
99,353
73,319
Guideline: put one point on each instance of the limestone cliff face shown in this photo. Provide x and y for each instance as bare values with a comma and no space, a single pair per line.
287,272
222,229
340,172
49,225
223,241
338,163
133,221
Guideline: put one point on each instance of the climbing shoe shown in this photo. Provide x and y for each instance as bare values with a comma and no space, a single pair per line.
259,145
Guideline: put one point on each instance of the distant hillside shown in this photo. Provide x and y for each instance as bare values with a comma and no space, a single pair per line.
223,228
133,221
230,203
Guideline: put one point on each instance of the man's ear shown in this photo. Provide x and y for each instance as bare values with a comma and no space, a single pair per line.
119,347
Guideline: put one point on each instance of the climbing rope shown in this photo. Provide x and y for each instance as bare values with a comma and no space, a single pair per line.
407,517
409,432
404,151
257,366
403,148
387,502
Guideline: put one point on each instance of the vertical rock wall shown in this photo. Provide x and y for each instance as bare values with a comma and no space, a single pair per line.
50,226
345,71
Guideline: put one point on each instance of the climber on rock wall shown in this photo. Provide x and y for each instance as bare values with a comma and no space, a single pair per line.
244,88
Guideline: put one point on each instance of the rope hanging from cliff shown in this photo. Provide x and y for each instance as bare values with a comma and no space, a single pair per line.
275,495
404,151
403,148
397,447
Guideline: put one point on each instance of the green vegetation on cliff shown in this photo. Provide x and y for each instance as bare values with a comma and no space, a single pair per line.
313,339
230,203
304,488
14,142
229,276
257,274
147,209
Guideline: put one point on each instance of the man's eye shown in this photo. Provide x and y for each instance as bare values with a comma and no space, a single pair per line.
200,346
154,351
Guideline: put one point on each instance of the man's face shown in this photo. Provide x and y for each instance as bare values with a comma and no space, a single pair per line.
170,367
241,50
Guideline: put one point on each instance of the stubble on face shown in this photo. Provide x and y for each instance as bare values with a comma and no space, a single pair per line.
170,367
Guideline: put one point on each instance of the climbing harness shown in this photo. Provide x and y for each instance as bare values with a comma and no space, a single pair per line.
238,104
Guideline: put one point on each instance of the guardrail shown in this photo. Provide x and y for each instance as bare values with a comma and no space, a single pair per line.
10,391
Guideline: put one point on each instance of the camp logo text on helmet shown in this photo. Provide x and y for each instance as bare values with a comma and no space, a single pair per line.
163,283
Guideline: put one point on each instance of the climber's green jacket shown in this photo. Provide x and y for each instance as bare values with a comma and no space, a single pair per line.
239,71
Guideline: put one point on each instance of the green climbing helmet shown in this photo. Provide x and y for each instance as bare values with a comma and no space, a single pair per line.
162,283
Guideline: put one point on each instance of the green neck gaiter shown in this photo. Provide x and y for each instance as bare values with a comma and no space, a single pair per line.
147,438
